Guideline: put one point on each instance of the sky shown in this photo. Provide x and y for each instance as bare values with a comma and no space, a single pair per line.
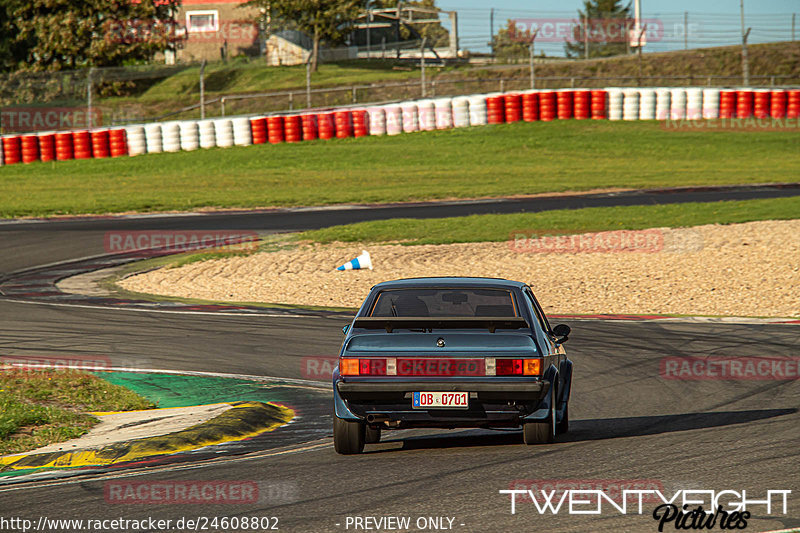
710,23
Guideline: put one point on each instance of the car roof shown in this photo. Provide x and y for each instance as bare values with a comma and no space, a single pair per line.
454,281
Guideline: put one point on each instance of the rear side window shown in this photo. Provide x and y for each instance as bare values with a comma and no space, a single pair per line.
538,311
449,302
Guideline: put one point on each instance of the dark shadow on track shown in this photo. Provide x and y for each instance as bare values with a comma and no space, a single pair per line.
595,429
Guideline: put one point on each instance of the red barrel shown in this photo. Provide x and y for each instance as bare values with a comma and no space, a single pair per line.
793,103
530,107
309,122
325,124
344,124
47,146
360,123
744,104
761,104
117,142
513,107
599,105
564,104
293,128
258,126
495,110
12,149
100,144
30,148
547,105
64,150
727,104
275,129
82,144
582,104
777,104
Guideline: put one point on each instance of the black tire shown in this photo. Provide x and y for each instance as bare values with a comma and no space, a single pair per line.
543,432
372,436
563,425
348,437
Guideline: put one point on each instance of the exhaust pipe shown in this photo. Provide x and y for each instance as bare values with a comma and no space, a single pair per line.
372,419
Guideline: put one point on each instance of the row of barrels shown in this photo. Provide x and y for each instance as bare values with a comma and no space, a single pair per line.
694,103
61,146
654,103
536,105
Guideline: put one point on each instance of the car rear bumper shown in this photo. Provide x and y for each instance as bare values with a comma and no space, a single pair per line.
491,404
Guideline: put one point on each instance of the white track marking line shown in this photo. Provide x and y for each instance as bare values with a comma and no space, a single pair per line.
176,311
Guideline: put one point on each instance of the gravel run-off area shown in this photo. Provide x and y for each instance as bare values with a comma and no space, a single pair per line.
750,269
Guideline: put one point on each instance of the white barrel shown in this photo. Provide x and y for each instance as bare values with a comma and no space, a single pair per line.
377,120
242,132
444,113
410,117
477,110
137,139
207,134
677,104
223,132
460,111
427,115
190,137
171,136
694,103
630,106
152,133
647,103
663,103
394,119
711,103
614,101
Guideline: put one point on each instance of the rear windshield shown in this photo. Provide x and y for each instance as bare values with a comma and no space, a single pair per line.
444,302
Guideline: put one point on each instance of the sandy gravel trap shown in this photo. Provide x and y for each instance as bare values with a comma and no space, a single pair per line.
748,269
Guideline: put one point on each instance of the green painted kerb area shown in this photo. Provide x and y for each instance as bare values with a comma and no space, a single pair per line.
170,390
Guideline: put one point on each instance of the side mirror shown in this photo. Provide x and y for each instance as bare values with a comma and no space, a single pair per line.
561,332
345,329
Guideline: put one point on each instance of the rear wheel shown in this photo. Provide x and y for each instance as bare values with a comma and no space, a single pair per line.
372,436
543,432
348,436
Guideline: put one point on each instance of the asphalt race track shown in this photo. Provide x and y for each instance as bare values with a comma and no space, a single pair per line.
629,425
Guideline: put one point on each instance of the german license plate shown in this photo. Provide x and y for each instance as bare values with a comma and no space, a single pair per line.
447,400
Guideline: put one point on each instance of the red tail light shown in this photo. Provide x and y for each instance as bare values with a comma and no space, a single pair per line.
372,367
509,367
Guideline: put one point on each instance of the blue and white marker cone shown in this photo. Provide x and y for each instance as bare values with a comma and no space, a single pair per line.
362,261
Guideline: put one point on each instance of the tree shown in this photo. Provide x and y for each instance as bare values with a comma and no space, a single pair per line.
511,43
67,34
608,22
322,20
434,33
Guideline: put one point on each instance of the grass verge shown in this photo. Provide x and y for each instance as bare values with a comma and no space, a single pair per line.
482,228
509,159
41,407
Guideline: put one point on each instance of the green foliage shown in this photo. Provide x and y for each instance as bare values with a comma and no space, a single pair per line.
608,20
58,34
